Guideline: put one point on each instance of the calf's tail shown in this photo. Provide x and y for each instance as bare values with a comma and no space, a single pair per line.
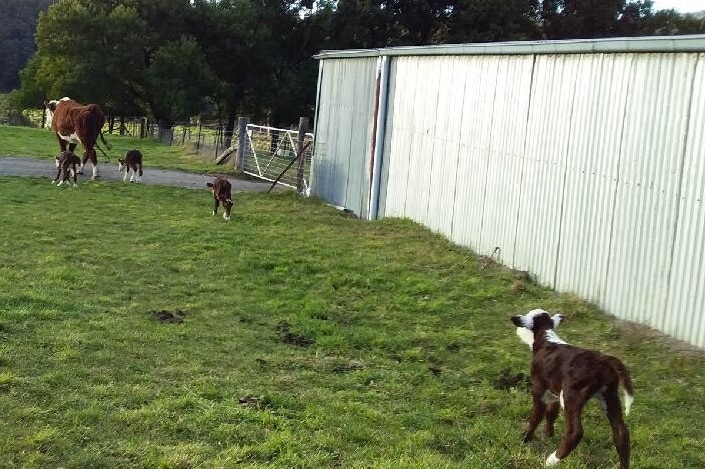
625,381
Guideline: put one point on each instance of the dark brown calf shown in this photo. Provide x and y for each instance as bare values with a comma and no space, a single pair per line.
573,375
132,161
220,187
66,163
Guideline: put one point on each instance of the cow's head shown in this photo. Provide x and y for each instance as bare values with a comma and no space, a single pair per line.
51,108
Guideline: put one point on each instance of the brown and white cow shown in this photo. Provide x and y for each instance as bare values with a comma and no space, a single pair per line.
220,187
72,123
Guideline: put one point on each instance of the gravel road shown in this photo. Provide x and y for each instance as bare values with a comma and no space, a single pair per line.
21,166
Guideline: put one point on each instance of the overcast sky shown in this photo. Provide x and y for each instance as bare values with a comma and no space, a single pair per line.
681,5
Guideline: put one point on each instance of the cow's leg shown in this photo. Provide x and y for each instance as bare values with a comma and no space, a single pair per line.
75,176
215,206
63,177
139,174
62,143
134,173
94,160
124,177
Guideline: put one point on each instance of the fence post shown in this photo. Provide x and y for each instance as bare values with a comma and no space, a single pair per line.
303,128
242,142
198,142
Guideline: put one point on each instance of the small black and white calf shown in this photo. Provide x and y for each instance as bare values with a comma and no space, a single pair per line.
570,375
131,162
67,164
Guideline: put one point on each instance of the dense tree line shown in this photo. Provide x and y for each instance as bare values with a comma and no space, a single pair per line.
173,59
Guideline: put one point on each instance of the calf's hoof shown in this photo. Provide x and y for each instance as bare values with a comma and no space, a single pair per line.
552,460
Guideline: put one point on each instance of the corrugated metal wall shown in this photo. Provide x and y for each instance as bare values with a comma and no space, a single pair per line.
340,171
585,169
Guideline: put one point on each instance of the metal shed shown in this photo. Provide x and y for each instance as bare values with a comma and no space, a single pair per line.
582,162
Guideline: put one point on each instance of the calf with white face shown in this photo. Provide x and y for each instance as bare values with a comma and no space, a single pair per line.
220,187
573,375
67,162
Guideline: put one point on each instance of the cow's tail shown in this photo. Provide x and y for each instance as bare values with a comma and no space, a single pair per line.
625,381
101,150
107,145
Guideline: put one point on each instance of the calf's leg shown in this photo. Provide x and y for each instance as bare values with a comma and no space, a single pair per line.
537,411
620,432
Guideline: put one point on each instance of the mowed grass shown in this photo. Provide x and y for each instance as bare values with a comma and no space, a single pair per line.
41,143
308,340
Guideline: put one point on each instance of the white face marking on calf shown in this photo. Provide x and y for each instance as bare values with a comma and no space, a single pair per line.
525,333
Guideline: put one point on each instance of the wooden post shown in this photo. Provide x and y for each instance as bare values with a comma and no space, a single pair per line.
242,142
198,142
303,128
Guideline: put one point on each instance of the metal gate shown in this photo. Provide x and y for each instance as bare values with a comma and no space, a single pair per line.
273,155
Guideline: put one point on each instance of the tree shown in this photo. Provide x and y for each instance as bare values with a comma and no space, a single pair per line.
92,52
18,19
177,80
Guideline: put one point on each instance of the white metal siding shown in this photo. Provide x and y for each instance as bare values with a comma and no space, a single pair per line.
586,169
592,165
649,176
684,315
340,169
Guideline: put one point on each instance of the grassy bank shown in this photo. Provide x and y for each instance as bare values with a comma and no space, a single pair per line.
298,337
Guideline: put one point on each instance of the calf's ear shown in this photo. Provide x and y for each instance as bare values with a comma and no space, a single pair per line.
516,320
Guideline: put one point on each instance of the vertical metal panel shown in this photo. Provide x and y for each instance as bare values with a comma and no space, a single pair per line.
543,182
683,316
424,127
399,138
343,133
449,111
505,157
650,171
475,142
591,176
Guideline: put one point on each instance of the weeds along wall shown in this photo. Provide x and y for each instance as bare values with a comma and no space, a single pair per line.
582,162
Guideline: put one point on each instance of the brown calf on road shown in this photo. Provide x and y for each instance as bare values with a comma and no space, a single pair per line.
221,188
571,376
66,162
73,123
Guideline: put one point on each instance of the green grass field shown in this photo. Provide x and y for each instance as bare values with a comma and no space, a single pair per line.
41,143
309,340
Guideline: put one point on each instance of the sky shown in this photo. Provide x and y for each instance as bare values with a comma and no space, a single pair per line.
684,6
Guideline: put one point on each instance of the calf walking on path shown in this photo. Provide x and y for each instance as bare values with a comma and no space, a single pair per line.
132,161
66,163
